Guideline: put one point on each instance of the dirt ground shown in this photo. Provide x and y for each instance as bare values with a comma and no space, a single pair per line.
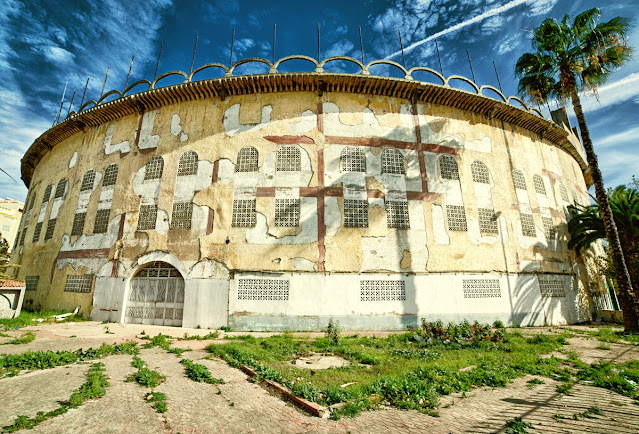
240,406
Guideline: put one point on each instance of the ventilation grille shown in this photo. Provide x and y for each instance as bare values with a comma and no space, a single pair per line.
243,213
393,162
549,228
456,218
382,290
519,180
353,160
448,167
88,180
540,188
288,159
397,214
32,283
355,213
101,221
262,289
551,288
148,216
59,191
481,288
110,175
247,160
154,168
50,228
81,284
287,212
181,215
78,223
188,164
528,225
487,221
37,231
480,172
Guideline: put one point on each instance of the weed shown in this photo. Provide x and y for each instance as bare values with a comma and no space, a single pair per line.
498,324
199,373
564,388
603,347
589,413
159,401
27,318
517,426
163,342
212,335
559,416
535,381
21,340
333,332
146,377
621,378
108,332
225,328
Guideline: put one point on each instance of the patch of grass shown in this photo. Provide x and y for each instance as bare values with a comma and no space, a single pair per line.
163,342
558,417
604,347
535,381
620,378
94,387
25,339
517,425
144,376
588,414
225,328
35,360
212,335
199,373
29,318
608,334
159,401
564,388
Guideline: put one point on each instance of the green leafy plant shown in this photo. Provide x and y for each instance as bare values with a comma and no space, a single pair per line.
535,381
517,425
199,373
159,401
564,388
28,337
333,331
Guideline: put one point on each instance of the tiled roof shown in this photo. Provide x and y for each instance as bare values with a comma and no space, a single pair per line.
8,283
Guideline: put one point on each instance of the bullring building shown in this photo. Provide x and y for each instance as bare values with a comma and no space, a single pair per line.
282,200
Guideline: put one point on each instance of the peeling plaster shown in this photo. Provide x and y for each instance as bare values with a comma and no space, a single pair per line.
303,264
232,124
147,139
209,269
73,160
439,225
306,123
176,128
308,227
332,216
370,126
109,148
432,131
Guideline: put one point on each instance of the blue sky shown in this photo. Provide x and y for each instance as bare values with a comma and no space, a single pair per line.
45,44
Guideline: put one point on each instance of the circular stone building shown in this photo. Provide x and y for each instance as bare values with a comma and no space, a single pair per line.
282,200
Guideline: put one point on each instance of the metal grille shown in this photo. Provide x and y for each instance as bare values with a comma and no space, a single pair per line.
88,180
36,233
456,218
262,289
393,162
288,159
397,214
575,199
382,290
31,283
287,212
110,175
47,193
355,213
32,201
243,213
528,225
563,192
24,233
549,228
448,167
181,215
487,221
59,190
148,216
519,180
78,223
158,269
50,228
247,160
540,188
82,284
188,164
480,172
551,288
101,221
353,159
154,168
481,288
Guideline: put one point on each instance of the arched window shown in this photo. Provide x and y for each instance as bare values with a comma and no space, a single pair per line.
188,164
47,193
87,181
519,180
563,192
353,160
110,175
448,167
288,159
480,172
393,162
575,199
247,160
154,168
540,188
59,191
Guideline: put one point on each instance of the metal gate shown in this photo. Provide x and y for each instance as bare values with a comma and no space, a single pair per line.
156,296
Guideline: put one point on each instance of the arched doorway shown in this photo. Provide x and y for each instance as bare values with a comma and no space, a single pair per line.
157,296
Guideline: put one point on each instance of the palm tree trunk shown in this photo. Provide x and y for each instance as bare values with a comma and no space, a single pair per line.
627,298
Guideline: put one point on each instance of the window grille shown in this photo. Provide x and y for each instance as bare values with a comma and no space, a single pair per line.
47,193
481,288
540,188
32,201
154,168
480,172
24,233
549,228
101,221
563,192
110,175
243,213
382,290
59,191
182,215
31,283
78,223
487,221
148,217
262,289
87,180
247,160
527,225
36,232
393,162
456,218
575,199
355,213
287,212
519,180
288,159
188,164
50,228
82,284
397,214
551,287
353,159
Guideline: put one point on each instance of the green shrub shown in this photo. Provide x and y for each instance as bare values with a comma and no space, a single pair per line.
199,373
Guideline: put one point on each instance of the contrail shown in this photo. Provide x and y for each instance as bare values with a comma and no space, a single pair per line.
463,24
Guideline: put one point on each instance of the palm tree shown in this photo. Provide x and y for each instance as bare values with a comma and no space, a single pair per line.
570,58
587,226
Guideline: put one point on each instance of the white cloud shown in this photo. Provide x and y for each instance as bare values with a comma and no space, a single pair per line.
340,48
58,54
541,7
616,92
630,136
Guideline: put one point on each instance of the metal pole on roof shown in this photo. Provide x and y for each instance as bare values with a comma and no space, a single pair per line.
471,66
497,74
104,84
71,103
361,45
439,57
232,43
274,41
193,59
402,47
129,74
61,103
158,62
318,43
84,93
